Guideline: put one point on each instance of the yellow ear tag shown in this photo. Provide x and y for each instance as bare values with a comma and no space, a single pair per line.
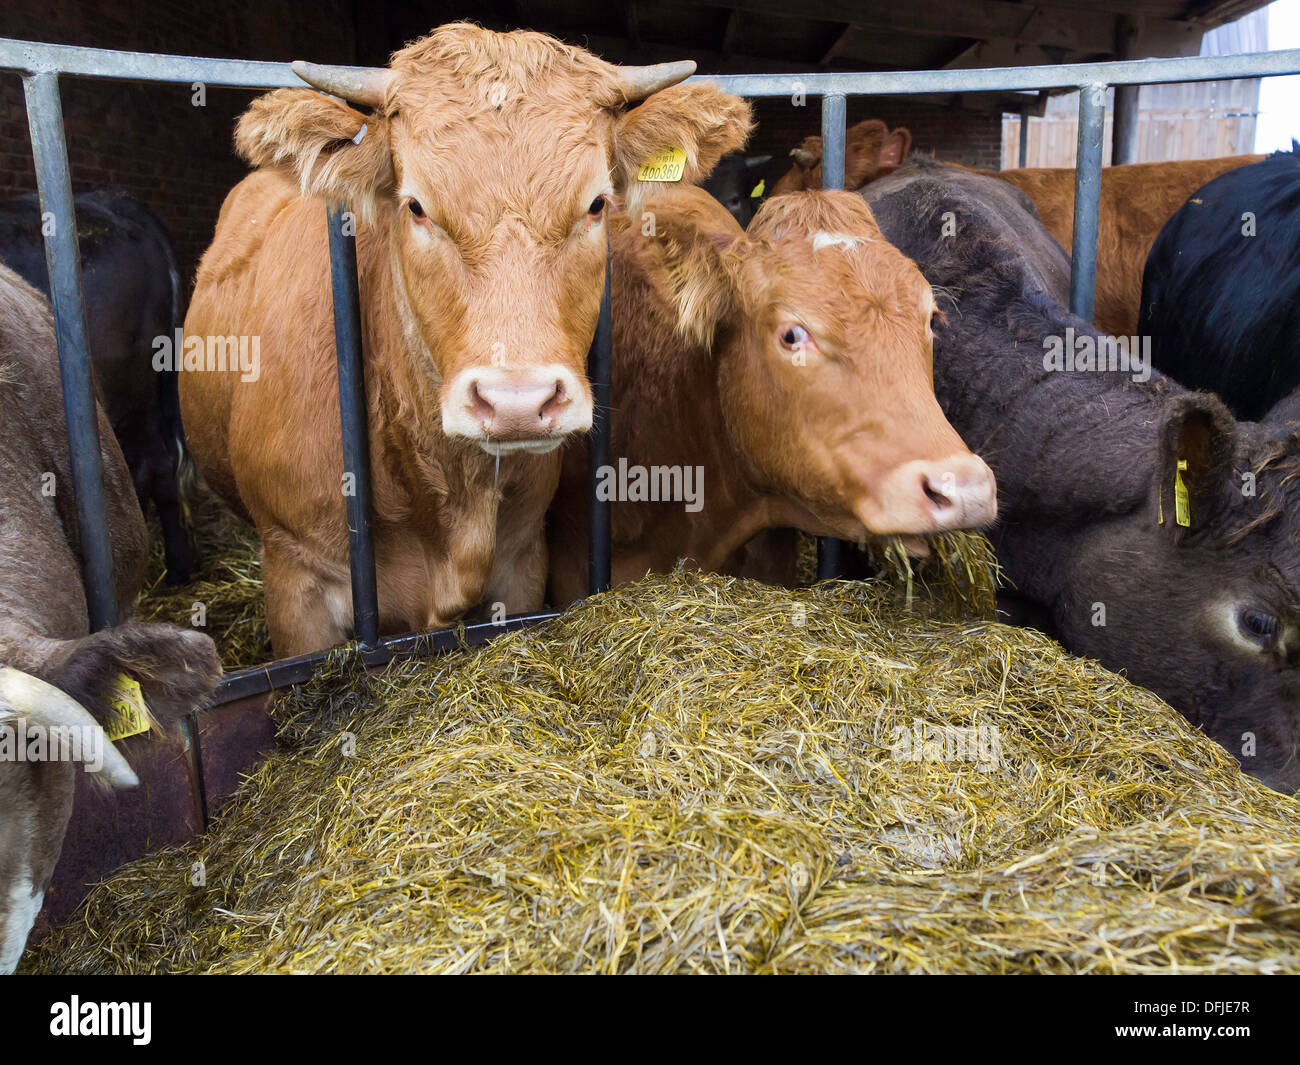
667,164
129,715
1182,506
759,189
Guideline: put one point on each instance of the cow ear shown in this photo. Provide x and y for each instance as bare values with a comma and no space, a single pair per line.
333,150
701,121
176,669
689,260
1198,441
894,148
694,268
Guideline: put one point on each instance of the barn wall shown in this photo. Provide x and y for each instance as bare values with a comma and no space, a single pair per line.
150,139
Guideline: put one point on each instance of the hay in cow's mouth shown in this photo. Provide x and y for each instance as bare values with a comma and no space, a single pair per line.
695,773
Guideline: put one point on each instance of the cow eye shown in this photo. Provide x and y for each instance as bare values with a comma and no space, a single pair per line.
416,209
597,205
794,335
1259,625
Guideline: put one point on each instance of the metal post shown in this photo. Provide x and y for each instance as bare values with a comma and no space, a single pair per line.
834,112
834,117
356,432
63,261
600,361
1087,199
1024,137
1124,135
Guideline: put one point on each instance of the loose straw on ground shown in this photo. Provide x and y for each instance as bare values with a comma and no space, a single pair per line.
702,774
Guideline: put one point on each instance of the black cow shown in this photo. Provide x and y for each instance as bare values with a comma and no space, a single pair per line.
1091,528
733,183
133,295
1221,291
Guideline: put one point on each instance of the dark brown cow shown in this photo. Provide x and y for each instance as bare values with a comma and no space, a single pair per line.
779,376
55,676
1200,603
483,177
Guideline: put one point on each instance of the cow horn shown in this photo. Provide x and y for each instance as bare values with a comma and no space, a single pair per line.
44,704
358,85
636,83
803,157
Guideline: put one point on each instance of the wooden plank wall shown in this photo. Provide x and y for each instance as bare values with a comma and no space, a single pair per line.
1195,120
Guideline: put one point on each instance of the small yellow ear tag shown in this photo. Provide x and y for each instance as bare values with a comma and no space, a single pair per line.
1182,506
667,164
129,716
759,189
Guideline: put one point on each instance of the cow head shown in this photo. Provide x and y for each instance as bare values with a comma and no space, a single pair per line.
1207,615
490,163
871,150
821,333
54,700
734,184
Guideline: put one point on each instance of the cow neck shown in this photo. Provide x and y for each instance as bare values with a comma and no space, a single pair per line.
1071,450
1065,446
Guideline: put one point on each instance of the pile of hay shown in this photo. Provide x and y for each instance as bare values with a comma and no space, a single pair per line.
701,774
228,586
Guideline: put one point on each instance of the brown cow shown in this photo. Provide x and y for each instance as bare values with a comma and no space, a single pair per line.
775,377
483,178
1136,201
871,150
54,676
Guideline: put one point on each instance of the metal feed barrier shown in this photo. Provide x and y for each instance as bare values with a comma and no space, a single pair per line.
41,66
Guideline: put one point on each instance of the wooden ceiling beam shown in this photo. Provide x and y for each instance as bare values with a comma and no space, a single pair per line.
730,32
841,38
1075,30
632,23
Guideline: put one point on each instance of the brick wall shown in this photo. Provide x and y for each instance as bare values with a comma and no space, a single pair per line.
150,139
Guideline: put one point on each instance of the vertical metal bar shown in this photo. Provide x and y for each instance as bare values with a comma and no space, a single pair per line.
63,261
834,110
1124,135
600,360
834,116
1087,199
1024,137
356,432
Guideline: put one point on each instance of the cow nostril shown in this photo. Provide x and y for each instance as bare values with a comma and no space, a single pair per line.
556,401
480,406
937,498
